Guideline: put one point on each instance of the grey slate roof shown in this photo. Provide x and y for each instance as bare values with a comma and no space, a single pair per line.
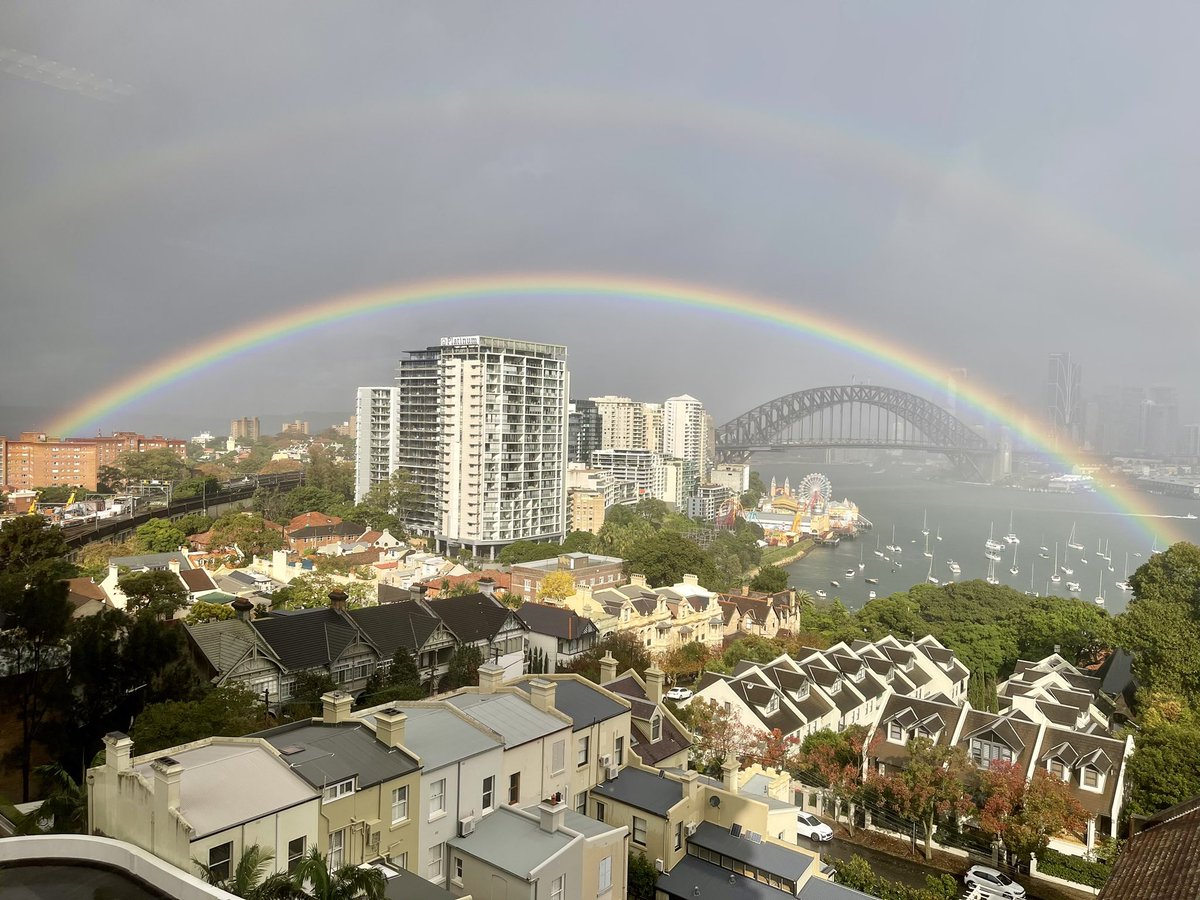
511,842
821,889
555,621
516,720
585,705
691,874
440,737
151,560
642,790
407,886
223,643
768,857
395,625
332,753
473,617
307,639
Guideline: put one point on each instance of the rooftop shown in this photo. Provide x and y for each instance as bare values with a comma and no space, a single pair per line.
642,790
512,842
439,736
769,857
585,704
323,754
511,716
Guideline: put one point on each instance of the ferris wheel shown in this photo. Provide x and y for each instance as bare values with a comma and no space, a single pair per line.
814,491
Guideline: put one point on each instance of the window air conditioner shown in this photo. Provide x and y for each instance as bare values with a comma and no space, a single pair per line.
659,866
466,826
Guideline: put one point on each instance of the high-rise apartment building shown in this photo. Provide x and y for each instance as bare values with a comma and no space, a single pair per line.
686,433
296,428
640,468
622,423
375,437
480,426
36,460
1064,400
245,429
583,430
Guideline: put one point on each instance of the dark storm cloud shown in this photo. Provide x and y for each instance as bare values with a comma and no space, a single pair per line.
987,183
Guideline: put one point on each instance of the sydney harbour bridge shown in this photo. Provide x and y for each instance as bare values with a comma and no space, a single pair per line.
857,415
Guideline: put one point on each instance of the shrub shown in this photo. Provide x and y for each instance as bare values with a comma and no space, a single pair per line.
1073,868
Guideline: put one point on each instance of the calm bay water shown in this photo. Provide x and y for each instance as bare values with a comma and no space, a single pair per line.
899,496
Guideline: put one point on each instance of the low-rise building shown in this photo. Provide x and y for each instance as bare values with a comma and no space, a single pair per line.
585,569
658,738
559,634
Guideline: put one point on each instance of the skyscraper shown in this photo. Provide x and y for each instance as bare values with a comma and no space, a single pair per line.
480,426
583,430
686,429
1064,400
244,429
375,450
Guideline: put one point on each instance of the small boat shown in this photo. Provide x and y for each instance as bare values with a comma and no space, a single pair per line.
1011,537
925,524
1067,570
892,546
991,543
899,565
850,573
1137,556
1073,587
1014,570
991,575
939,533
872,581
878,552
821,594
1190,516
1123,584
861,565
927,552
834,584
1054,576
1099,547
993,555
930,577
954,567
1154,550
870,595
1099,598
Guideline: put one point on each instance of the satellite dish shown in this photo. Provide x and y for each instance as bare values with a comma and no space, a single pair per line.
714,801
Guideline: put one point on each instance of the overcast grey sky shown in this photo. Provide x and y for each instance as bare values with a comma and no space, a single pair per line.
983,182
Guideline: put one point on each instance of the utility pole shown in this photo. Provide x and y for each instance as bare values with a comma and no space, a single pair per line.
266,706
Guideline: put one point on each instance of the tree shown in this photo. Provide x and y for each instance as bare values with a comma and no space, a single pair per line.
250,879
99,679
1165,766
628,651
718,735
524,551
158,536
1046,809
685,661
313,880
307,690
642,877
64,807
932,785
556,586
770,580
856,873
193,523
230,710
838,758
400,681
389,503
209,612
92,559
312,591
463,668
579,542
32,647
325,472
249,533
26,542
666,557
157,593
162,464
752,647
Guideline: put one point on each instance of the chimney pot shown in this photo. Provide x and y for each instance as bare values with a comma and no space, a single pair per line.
729,773
337,599
389,727
608,668
335,707
551,815
542,693
638,580
118,750
491,678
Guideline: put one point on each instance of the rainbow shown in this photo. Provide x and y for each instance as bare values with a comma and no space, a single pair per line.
565,288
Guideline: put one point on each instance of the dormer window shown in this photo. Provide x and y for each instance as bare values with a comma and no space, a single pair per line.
986,752
801,693
895,733
859,675
656,728
1091,779
340,789
1057,769
908,666
773,704
835,688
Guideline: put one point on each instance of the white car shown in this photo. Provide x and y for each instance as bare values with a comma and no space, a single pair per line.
679,693
991,883
811,827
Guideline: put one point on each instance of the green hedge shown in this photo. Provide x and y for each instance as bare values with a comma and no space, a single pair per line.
1073,868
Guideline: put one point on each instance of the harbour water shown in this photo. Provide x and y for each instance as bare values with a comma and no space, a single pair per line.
890,494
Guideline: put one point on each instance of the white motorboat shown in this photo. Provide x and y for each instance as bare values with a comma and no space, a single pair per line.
1073,587
872,581
834,584
954,567
850,573
870,595
821,594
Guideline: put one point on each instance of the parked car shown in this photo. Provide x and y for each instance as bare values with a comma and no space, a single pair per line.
992,883
809,826
679,693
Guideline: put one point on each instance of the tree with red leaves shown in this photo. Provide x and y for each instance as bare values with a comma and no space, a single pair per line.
1028,816
838,758
932,785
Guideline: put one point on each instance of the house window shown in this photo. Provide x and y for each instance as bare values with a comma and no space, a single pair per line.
599,811
679,835
336,858
985,752
1090,778
336,791
558,888
605,879
218,861
489,792
558,757
581,757
400,861
581,803
437,797
433,865
514,788
656,729
639,831
399,804
296,850
1057,769
619,751
458,869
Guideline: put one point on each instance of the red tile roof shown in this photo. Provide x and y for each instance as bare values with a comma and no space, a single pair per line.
311,518
1163,861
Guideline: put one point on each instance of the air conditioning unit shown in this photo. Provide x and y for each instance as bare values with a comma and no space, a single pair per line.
691,828
613,772
466,826
605,761
659,866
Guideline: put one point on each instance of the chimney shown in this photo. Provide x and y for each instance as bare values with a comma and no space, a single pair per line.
638,581
692,580
691,784
113,573
166,782
654,683
608,668
389,727
487,587
173,565
551,815
729,774
335,707
337,600
243,608
491,677
118,749
541,694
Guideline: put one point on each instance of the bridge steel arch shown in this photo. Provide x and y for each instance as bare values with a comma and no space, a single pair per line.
929,427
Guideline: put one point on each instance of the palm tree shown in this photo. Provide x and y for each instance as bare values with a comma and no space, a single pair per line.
248,881
65,806
312,880
803,597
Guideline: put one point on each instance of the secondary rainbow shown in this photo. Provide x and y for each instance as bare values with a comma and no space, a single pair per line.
562,288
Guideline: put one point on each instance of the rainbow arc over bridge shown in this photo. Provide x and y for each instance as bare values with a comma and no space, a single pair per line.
571,288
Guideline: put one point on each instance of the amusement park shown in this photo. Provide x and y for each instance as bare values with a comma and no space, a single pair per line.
809,511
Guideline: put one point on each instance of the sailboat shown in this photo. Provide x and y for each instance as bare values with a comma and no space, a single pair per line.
1066,568
1054,576
939,532
1099,548
1031,592
1071,542
991,543
1014,570
1099,598
1107,557
878,552
1154,549
930,577
1044,548
861,565
1011,537
928,553
892,546
925,524
991,575
1123,584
